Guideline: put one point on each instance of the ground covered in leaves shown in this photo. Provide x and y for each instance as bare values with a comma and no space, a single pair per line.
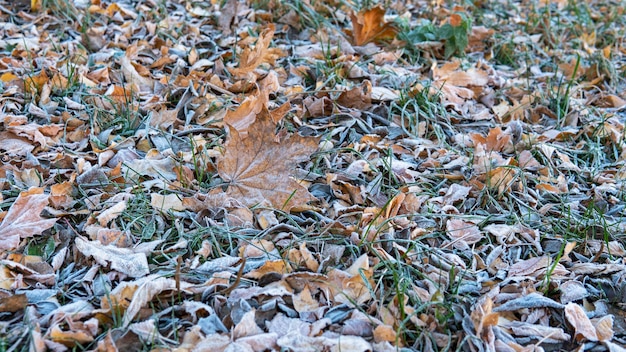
312,175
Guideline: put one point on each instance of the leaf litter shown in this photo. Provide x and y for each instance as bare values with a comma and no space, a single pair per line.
311,176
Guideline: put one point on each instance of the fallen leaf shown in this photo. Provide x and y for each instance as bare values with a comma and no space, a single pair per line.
582,325
123,260
385,333
462,233
70,338
149,287
258,168
604,327
247,326
24,219
13,303
241,118
111,213
357,98
370,26
250,59
167,202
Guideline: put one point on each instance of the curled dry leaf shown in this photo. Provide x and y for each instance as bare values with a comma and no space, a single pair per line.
70,338
148,288
349,286
24,219
456,85
258,168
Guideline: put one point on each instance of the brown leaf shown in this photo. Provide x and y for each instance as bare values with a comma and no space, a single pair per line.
24,219
245,115
258,167
228,16
604,327
370,26
384,333
357,98
13,303
247,326
261,54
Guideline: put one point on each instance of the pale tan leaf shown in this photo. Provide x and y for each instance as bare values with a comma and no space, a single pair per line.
153,165
148,332
604,327
309,260
213,343
582,325
167,202
385,333
141,83
351,343
536,330
246,113
304,302
111,213
247,326
149,287
24,219
123,260
250,59
70,338
261,342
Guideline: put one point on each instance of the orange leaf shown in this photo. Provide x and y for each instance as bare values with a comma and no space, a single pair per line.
246,113
69,338
370,26
456,20
33,84
261,54
258,167
8,77
495,140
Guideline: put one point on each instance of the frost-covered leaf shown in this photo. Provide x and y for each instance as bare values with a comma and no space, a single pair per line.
24,219
259,168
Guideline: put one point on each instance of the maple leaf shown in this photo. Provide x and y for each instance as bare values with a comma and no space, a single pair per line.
24,219
370,26
251,58
257,167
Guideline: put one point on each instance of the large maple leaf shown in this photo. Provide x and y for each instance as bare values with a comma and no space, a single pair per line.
23,219
258,167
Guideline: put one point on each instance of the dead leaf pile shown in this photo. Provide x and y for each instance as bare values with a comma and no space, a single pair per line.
312,176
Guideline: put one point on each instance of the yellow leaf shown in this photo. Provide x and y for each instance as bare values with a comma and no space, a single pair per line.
7,77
